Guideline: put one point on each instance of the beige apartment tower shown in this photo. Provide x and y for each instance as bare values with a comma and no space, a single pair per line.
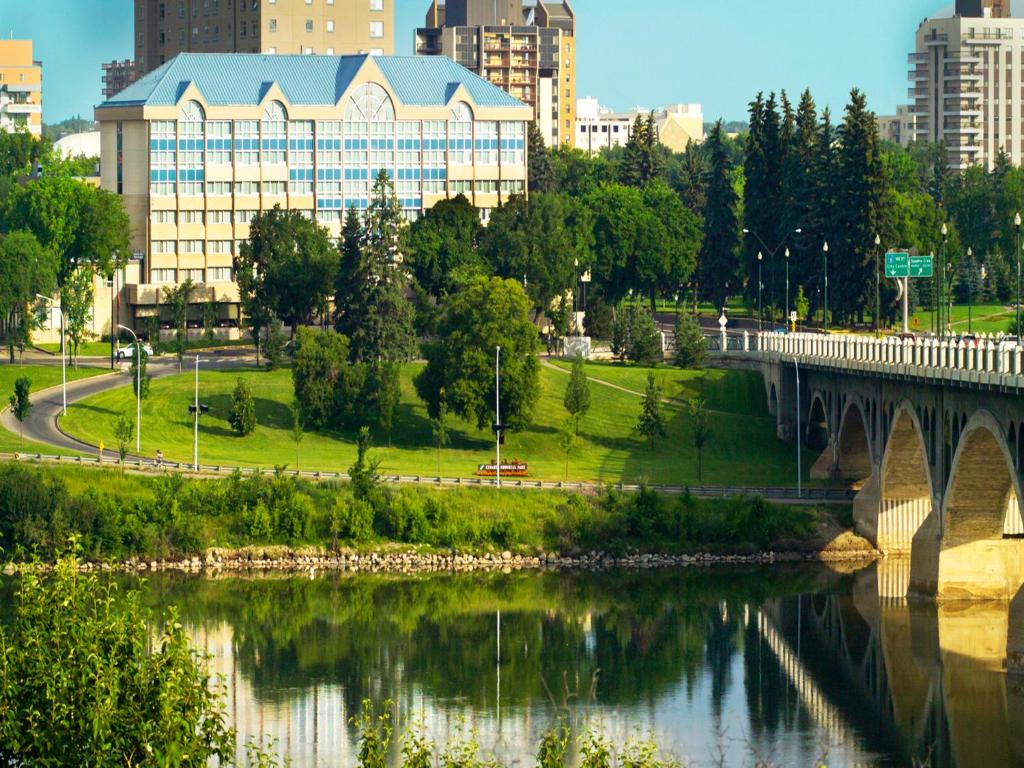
528,51
21,88
967,87
165,28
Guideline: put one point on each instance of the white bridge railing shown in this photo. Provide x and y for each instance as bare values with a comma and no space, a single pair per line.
985,360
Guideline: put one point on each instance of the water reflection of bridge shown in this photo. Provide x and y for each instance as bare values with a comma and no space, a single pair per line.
920,680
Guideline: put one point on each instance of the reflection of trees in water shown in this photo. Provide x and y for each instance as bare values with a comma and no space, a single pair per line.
637,634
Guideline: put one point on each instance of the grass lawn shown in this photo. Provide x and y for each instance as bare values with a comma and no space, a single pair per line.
102,348
43,377
609,451
986,318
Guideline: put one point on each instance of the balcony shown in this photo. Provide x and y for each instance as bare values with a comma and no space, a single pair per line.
16,108
963,130
917,58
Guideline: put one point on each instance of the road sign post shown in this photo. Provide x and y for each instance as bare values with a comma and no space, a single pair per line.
902,267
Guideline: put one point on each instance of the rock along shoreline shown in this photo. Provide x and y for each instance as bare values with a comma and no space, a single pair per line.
306,559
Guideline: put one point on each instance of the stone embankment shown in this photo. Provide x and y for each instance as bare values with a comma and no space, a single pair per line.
383,561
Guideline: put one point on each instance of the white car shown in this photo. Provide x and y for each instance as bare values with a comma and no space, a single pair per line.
127,352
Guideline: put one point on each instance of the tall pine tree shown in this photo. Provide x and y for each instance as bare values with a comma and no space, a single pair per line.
540,170
860,208
718,256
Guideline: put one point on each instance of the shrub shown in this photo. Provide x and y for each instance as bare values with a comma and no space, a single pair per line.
243,408
691,346
79,685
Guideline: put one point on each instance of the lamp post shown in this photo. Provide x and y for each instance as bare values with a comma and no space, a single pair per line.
773,251
497,416
942,280
787,286
760,285
878,284
824,265
1016,223
63,355
970,292
575,288
138,387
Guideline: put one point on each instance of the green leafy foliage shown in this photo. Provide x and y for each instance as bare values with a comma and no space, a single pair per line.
26,269
139,373
243,409
484,315
577,394
700,424
84,683
20,400
124,433
179,297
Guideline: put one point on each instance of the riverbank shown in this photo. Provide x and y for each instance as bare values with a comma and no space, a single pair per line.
144,523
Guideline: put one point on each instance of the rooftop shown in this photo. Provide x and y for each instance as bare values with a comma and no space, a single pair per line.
238,79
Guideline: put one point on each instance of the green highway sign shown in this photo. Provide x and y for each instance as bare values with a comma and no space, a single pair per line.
921,266
900,264
897,264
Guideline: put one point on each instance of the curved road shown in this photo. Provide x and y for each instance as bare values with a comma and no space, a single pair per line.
41,424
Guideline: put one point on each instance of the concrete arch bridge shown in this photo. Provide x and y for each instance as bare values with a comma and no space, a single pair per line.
932,434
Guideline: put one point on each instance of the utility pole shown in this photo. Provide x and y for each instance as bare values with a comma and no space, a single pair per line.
497,416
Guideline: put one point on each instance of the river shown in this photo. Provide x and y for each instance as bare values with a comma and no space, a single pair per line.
721,665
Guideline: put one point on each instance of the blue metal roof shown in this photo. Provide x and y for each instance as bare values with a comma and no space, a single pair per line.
234,79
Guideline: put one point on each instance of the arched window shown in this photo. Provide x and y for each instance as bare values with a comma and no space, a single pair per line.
191,112
274,133
460,134
370,103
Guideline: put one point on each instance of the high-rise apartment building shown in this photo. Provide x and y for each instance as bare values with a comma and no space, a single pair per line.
200,146
528,51
967,87
995,9
118,75
21,88
165,28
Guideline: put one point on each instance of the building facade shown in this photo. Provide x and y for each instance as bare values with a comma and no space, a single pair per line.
165,28
900,128
995,9
118,75
599,128
21,88
966,86
527,51
199,147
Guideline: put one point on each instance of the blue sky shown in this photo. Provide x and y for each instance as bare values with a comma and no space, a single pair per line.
715,52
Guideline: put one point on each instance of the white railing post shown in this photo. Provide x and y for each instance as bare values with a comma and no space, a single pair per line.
746,341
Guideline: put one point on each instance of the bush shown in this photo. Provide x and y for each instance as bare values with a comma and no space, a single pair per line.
80,687
691,346
243,409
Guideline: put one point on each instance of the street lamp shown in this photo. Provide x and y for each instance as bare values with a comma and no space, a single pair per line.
773,251
760,285
970,296
138,388
942,281
786,318
497,416
1016,223
878,283
824,264
63,364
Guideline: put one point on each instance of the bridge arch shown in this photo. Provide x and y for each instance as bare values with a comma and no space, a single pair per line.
818,432
854,457
906,482
983,496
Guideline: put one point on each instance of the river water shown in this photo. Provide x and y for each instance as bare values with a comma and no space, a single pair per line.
722,666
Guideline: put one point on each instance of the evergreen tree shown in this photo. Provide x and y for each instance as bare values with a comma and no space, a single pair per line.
800,185
754,220
540,171
652,155
688,176
822,215
242,416
639,164
651,422
645,347
718,263
577,394
691,345
860,209
700,426
374,311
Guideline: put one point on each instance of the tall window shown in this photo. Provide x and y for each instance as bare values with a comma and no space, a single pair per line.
274,133
460,135
247,148
300,157
218,142
162,157
328,173
408,178
369,141
434,166
513,143
191,168
486,142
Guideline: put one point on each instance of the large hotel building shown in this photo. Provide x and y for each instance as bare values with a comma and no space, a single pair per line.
527,50
200,146
967,83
